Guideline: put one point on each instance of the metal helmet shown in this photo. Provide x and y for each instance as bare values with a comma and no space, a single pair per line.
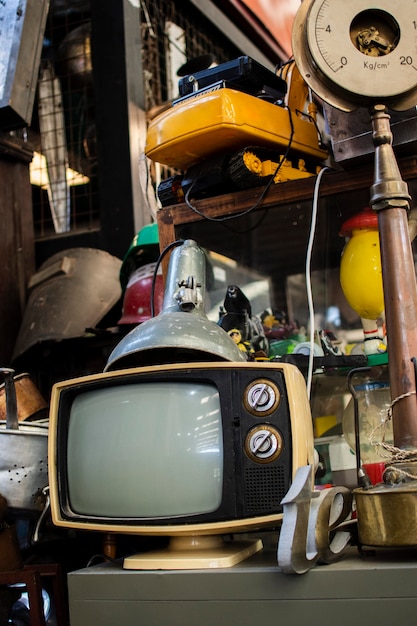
143,249
136,277
72,290
138,294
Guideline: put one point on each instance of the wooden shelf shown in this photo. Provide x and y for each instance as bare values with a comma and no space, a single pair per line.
273,237
332,182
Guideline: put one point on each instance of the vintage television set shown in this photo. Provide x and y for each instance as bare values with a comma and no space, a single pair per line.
197,452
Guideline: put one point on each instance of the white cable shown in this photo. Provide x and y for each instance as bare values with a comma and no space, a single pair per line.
308,277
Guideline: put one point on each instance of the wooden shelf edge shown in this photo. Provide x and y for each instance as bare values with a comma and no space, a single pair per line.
332,182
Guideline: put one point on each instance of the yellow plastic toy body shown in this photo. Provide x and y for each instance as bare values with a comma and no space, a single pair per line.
361,273
227,120
268,168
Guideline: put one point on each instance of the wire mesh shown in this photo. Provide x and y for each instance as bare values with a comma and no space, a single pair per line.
63,128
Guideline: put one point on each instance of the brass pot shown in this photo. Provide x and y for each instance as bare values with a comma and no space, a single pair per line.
387,515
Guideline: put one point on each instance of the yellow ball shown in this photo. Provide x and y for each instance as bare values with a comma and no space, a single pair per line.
361,273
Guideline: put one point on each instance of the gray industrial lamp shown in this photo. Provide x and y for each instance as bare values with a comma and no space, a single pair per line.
181,332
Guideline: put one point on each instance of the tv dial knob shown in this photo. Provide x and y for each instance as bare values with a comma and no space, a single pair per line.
261,397
263,444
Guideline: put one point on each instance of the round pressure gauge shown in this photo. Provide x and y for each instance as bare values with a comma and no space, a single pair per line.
358,53
263,443
261,397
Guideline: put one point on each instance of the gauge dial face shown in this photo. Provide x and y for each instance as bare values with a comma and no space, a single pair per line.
354,52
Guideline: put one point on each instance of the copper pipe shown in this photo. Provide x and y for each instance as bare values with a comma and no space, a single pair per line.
390,198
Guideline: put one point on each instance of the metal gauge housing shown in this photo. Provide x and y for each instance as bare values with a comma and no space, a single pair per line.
357,53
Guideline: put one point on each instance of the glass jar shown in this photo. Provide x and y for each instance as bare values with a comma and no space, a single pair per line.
374,401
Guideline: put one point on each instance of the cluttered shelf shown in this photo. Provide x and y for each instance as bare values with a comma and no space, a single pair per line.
333,182
271,236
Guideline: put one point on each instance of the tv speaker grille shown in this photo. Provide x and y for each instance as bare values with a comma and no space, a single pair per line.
265,487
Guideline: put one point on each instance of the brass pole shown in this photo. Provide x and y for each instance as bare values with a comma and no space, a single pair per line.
390,199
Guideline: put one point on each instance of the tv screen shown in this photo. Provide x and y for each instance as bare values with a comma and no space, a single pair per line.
146,450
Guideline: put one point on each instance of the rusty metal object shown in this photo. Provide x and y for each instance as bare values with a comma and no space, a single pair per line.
22,27
30,402
23,457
